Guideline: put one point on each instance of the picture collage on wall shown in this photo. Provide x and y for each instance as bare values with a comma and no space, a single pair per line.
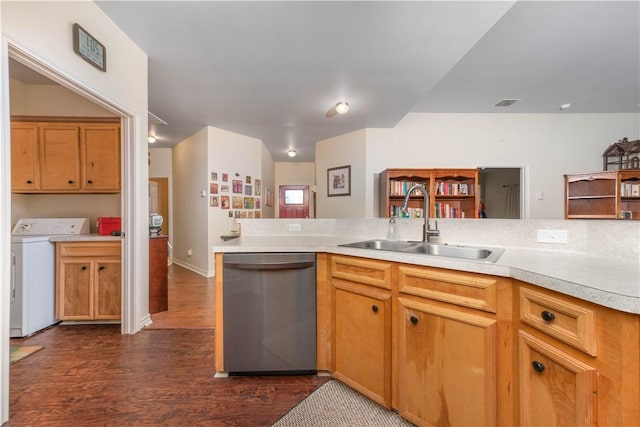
241,197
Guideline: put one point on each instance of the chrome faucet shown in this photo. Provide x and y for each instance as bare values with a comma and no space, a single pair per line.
427,231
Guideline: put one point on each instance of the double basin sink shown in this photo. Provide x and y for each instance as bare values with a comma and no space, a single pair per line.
433,249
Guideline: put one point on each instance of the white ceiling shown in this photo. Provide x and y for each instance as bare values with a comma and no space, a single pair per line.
271,70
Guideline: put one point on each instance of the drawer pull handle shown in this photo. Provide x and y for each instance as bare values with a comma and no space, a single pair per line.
374,308
84,267
414,320
547,316
537,366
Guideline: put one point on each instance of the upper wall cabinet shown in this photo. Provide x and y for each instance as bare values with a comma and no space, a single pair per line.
65,157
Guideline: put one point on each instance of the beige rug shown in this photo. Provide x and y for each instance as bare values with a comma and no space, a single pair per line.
335,404
22,351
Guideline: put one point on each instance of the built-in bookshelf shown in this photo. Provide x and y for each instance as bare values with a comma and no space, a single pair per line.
603,195
453,192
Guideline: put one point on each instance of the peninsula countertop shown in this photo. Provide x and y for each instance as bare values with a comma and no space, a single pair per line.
608,281
83,238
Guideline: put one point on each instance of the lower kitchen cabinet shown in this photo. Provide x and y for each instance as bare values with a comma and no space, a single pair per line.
361,350
88,282
446,365
556,389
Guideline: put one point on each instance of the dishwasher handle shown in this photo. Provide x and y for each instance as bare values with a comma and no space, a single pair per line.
288,265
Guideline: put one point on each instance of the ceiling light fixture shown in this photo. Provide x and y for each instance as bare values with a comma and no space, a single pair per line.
342,107
291,153
151,139
565,106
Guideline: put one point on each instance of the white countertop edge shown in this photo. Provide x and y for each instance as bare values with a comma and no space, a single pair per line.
619,291
83,238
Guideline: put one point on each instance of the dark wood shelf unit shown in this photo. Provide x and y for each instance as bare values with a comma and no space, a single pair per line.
603,195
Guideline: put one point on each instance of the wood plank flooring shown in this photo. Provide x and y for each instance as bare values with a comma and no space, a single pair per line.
94,376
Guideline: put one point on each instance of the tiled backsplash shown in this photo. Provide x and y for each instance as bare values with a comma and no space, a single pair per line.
596,237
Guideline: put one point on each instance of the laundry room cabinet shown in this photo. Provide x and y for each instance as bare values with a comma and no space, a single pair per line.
88,282
65,156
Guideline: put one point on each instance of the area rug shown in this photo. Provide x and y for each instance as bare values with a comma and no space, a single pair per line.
335,404
22,351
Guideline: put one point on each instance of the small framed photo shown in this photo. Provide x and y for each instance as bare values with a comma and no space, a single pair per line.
248,203
214,176
225,177
224,188
213,188
213,202
268,198
258,214
230,214
248,179
237,186
247,190
224,202
339,181
236,202
258,187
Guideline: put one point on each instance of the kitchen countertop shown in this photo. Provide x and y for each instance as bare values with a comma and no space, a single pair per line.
612,282
83,238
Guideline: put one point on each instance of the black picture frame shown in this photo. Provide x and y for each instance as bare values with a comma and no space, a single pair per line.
339,181
89,48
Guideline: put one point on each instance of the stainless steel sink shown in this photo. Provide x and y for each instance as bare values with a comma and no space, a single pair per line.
382,245
432,249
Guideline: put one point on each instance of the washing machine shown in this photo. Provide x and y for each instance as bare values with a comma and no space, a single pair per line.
33,272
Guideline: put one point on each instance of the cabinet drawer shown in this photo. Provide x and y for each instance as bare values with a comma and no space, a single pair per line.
564,319
464,289
365,271
89,249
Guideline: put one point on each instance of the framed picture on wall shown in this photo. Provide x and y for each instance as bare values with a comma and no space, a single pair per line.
339,181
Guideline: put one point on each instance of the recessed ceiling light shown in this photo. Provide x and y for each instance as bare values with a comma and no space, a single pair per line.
292,153
151,139
506,102
565,106
342,107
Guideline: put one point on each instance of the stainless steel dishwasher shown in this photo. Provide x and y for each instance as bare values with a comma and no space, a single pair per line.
269,312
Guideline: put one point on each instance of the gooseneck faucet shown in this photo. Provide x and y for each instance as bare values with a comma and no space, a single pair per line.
427,232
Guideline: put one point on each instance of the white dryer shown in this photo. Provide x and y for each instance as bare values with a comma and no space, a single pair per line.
33,271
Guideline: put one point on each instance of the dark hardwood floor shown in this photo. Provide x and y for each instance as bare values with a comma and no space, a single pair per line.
94,376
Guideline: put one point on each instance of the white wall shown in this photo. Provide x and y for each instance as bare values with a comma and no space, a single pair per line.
344,150
190,207
160,166
547,145
268,181
239,156
41,32
294,173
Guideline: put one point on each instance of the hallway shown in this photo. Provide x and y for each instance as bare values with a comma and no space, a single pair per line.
163,376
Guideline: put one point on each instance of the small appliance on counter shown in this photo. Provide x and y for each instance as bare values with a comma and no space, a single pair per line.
109,225
155,224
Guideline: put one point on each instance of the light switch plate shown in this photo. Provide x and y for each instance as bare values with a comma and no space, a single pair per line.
552,236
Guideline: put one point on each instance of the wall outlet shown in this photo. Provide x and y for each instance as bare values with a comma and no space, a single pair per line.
295,227
552,236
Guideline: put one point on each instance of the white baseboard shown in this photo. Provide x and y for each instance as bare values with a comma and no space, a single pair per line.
191,267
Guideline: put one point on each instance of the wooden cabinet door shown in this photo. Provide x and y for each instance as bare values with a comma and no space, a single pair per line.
101,158
555,388
446,365
362,340
59,157
107,289
25,176
75,289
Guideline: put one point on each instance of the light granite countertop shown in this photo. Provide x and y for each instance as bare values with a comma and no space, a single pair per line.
608,281
83,238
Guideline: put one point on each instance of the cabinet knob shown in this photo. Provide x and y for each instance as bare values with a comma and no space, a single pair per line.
84,267
29,181
101,268
89,182
414,320
70,181
374,308
547,316
537,366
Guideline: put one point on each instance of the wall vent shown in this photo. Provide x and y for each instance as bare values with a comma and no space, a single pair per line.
506,102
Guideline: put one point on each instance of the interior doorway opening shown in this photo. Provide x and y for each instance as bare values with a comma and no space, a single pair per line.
500,191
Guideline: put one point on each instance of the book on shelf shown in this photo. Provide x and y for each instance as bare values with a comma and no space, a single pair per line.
629,189
396,211
398,187
444,188
445,210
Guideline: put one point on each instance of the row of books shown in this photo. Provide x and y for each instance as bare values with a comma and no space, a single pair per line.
453,189
400,188
411,212
444,210
629,189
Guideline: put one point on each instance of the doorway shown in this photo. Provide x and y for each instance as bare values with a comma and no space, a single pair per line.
294,201
159,200
501,192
